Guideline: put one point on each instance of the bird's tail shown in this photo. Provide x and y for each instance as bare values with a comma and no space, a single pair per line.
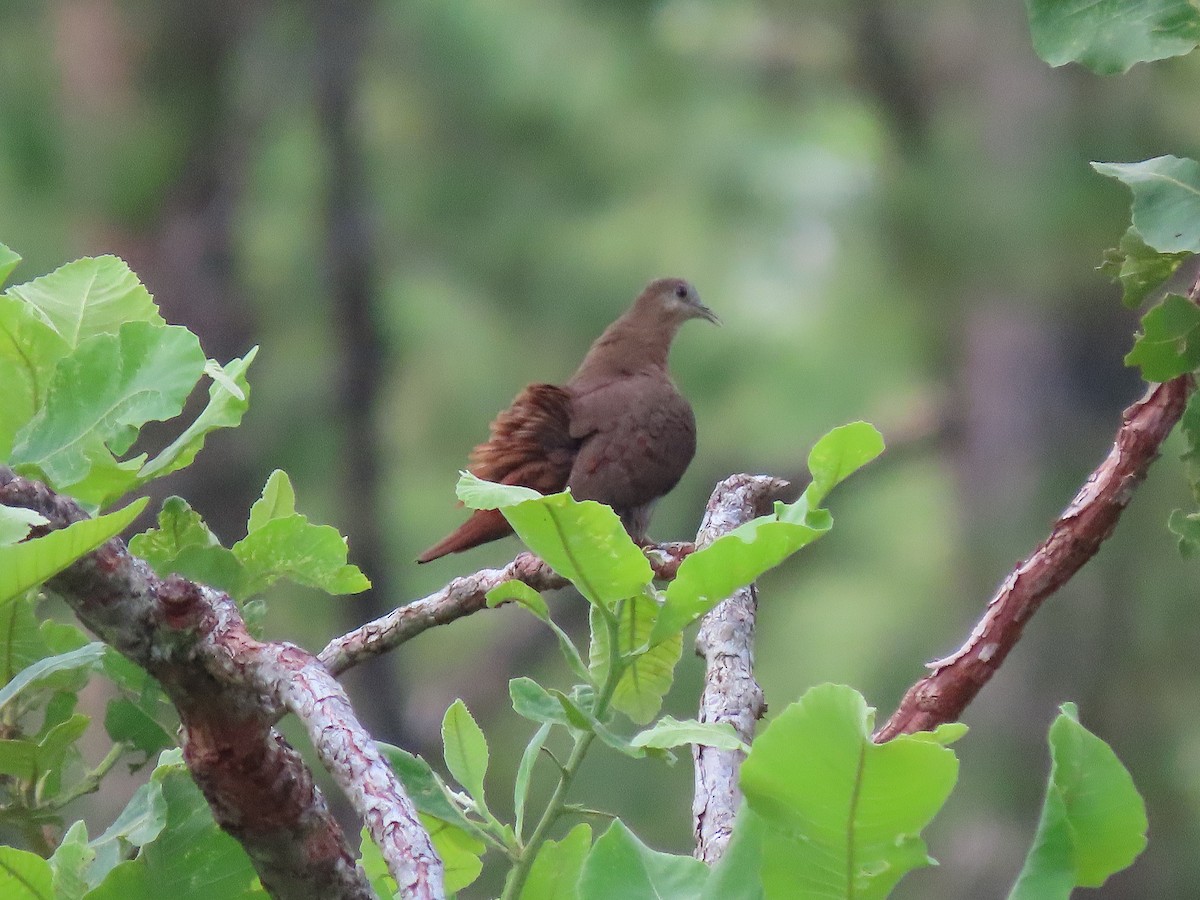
483,526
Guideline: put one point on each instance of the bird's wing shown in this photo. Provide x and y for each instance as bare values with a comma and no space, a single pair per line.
531,445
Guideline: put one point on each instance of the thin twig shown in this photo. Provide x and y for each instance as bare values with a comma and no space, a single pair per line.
954,681
731,694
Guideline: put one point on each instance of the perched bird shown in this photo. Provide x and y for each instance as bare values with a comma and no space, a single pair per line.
618,431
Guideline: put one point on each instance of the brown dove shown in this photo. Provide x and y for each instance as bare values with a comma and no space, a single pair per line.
618,431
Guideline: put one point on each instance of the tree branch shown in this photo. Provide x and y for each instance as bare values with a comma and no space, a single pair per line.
726,642
462,597
954,681
229,689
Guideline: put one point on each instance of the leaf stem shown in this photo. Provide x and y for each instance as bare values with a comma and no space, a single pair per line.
557,803
90,782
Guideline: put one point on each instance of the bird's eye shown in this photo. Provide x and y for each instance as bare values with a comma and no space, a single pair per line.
681,291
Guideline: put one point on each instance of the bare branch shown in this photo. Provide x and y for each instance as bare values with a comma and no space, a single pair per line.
954,681
462,597
229,689
726,642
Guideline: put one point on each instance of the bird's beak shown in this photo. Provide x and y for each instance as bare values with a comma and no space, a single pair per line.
704,312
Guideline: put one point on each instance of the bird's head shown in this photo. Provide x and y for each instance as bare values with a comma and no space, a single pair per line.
674,300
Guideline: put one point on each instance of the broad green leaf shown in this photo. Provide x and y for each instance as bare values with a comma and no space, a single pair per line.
294,548
534,702
53,750
524,595
1186,527
183,545
647,676
838,455
18,758
1110,36
16,522
85,657
1093,820
281,543
479,494
278,501
466,749
582,541
21,640
460,852
843,815
1166,200
669,732
25,876
102,394
620,865
1169,344
1138,268
29,351
70,863
529,758
141,821
88,297
126,721
423,786
555,873
31,562
8,261
191,858
228,400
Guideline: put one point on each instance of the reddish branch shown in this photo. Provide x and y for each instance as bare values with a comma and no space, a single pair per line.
229,690
731,694
954,681
462,597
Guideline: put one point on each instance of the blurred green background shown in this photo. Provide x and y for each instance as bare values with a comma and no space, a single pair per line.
417,208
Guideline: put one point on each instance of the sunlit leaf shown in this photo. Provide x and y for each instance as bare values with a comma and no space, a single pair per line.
556,871
647,676
466,749
669,732
16,522
8,261
24,876
1093,820
183,545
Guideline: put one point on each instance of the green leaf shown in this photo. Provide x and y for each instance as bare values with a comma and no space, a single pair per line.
18,759
529,758
70,863
1169,344
842,814
281,543
183,545
532,701
522,594
620,865
85,657
427,791
53,749
375,867
838,455
582,541
466,750
31,562
8,262
101,395
228,400
1138,268
278,501
1166,200
25,876
555,873
459,850
1110,36
126,721
647,675
190,858
88,297
29,351
669,732
16,522
140,822
1186,527
1093,820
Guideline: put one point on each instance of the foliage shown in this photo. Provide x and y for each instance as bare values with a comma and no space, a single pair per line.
88,361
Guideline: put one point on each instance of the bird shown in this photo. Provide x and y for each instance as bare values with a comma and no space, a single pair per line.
618,431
